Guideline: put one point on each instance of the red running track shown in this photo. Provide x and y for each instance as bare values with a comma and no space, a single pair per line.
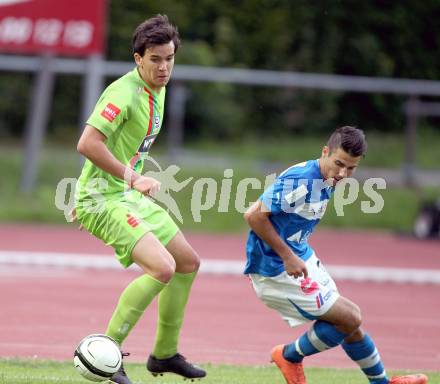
46,311
332,247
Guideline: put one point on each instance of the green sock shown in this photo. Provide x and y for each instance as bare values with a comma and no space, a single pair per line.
132,304
172,302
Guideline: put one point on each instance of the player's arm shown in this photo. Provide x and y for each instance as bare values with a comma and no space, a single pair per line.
257,216
92,145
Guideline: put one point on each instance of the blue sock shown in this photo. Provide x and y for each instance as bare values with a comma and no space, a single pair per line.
320,337
365,354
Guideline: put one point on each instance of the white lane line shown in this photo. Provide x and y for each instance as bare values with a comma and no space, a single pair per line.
384,274
219,267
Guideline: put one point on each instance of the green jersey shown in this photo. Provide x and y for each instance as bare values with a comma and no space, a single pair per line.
130,115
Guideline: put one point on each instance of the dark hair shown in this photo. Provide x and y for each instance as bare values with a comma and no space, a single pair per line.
350,139
154,31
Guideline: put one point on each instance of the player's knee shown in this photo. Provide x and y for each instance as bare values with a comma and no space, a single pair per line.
188,264
354,319
194,263
164,269
164,273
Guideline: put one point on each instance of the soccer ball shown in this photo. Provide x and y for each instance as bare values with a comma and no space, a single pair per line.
97,357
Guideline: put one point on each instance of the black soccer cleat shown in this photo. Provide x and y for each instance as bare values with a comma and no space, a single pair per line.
121,377
175,364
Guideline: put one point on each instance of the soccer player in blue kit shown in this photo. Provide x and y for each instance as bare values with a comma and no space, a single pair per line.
288,276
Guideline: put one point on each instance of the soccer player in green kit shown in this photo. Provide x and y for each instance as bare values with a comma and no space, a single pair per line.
113,199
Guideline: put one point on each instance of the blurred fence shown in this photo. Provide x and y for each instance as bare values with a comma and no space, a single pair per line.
95,69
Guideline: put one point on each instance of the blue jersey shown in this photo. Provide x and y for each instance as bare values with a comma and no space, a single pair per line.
297,202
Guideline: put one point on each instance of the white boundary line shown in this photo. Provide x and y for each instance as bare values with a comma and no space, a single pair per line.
219,267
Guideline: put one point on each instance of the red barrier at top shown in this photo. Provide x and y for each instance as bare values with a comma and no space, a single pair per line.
73,27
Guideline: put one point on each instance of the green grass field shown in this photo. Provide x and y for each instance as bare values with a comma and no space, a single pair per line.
384,150
13,371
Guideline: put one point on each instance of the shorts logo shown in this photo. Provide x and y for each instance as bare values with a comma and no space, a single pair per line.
132,221
320,300
110,112
308,286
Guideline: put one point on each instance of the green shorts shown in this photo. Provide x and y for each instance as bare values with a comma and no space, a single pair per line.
120,220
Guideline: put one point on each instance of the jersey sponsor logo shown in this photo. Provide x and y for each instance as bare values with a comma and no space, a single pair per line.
132,221
300,237
110,112
147,143
311,211
297,194
296,237
308,286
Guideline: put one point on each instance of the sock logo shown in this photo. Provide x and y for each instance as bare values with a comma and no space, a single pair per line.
123,330
308,286
132,221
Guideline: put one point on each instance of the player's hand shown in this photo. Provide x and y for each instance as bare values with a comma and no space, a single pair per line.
295,267
72,214
146,185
